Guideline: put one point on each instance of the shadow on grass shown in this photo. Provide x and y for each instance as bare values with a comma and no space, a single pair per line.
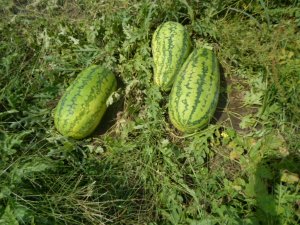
267,178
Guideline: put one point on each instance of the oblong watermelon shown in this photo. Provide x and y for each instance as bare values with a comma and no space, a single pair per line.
171,46
195,92
82,106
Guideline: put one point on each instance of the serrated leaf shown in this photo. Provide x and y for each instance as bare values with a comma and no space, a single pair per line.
29,168
273,141
247,121
112,98
253,98
8,217
289,177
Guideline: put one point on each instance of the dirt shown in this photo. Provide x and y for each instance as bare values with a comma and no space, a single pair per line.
230,109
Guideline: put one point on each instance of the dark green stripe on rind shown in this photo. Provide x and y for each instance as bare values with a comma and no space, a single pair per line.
175,96
80,82
91,87
212,91
195,92
185,74
155,49
201,82
82,106
86,124
91,124
171,45
66,103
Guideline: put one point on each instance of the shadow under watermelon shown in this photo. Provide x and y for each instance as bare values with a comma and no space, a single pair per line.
223,98
110,116
231,108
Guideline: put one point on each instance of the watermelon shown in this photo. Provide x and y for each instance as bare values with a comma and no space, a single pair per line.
195,92
171,46
82,106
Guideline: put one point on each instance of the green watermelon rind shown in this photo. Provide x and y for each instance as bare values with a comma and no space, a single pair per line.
195,92
171,46
81,108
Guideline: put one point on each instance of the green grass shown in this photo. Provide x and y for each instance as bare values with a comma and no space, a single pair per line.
136,168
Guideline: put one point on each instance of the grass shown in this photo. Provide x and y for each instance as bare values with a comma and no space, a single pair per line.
136,168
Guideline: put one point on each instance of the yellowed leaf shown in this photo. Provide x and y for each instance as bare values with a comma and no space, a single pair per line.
234,155
289,177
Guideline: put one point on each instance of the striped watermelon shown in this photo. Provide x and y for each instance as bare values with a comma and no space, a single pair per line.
171,46
194,96
82,106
